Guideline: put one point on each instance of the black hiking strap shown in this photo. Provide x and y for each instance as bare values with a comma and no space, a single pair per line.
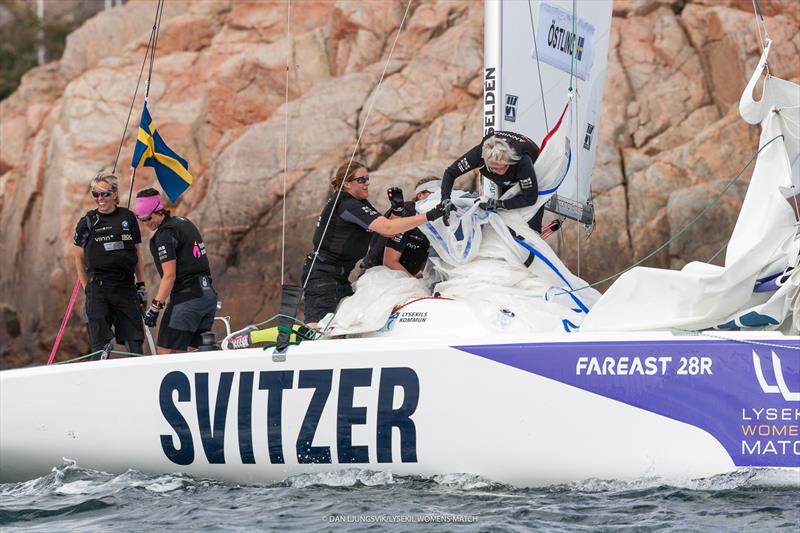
531,257
290,301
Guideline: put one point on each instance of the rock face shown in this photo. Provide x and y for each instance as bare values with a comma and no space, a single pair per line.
670,135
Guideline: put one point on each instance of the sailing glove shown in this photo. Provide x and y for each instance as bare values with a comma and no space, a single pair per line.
396,201
447,208
151,316
491,204
436,212
141,295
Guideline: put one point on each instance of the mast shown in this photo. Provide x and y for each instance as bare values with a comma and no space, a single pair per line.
492,64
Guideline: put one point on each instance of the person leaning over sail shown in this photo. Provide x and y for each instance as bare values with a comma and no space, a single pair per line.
505,158
406,252
107,259
180,258
346,240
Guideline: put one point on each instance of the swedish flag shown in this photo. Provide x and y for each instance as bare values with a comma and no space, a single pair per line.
171,169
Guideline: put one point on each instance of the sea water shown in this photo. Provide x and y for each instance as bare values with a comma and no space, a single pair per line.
71,498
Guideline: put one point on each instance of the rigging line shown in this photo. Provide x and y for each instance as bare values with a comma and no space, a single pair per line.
355,147
135,93
572,48
758,10
286,133
577,137
89,355
758,20
710,259
538,67
685,228
761,24
156,29
577,170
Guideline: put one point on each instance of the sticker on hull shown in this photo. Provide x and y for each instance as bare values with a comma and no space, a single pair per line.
746,395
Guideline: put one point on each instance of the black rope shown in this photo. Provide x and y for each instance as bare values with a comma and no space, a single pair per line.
151,44
156,28
152,51
538,68
135,93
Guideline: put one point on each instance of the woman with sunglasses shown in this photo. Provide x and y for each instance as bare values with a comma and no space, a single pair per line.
180,257
342,242
107,259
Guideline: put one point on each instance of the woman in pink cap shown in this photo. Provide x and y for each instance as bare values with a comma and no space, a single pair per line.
180,258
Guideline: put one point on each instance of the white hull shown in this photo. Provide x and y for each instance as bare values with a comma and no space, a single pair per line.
524,413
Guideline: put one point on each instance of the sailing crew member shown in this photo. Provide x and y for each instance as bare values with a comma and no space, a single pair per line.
346,239
180,258
505,158
107,260
406,252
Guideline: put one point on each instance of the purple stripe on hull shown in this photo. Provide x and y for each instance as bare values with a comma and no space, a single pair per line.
713,385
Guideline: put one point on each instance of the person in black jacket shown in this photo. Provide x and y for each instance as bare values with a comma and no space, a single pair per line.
408,251
181,260
342,238
505,158
107,261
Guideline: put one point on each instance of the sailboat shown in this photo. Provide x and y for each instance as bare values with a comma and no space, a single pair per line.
518,389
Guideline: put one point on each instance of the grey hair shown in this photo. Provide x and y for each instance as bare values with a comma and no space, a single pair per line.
497,149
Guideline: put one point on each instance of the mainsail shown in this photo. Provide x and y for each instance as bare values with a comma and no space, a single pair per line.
536,55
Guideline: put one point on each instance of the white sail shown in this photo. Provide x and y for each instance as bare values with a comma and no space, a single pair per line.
528,62
759,285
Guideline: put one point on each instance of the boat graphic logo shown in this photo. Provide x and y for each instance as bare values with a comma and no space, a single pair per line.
511,108
780,387
390,323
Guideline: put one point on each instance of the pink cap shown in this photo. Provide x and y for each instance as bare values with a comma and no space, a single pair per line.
147,204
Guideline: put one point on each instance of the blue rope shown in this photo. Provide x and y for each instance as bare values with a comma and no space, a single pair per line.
758,9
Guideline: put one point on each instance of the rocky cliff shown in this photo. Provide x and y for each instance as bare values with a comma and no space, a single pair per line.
670,133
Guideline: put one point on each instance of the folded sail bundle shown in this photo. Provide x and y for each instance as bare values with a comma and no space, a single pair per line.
764,244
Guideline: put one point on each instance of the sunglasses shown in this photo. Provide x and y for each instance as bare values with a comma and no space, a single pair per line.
104,194
362,180
147,218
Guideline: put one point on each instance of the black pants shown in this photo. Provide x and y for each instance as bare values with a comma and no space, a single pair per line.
112,306
327,285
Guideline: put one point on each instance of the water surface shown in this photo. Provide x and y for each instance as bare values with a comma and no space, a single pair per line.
71,498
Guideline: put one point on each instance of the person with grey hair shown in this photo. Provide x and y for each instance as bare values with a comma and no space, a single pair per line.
108,261
506,159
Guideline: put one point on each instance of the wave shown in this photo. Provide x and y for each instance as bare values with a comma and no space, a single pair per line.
71,498
70,479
